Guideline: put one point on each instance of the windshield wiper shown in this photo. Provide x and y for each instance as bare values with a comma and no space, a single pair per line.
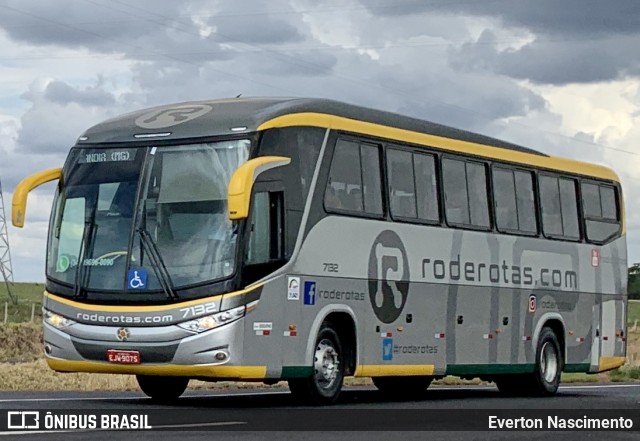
157,263
81,273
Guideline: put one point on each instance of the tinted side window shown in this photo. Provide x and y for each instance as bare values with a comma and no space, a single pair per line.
608,202
569,207
504,194
465,190
355,183
600,211
402,194
455,191
477,190
370,159
559,207
344,189
526,202
591,200
550,205
426,187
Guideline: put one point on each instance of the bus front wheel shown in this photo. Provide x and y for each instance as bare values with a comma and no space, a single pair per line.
162,388
325,384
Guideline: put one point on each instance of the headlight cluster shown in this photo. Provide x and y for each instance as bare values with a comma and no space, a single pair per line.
213,321
56,320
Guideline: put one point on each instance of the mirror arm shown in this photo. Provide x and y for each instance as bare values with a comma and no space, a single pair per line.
19,202
242,180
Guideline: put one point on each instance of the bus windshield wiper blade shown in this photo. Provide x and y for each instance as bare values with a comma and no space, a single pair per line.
81,272
159,268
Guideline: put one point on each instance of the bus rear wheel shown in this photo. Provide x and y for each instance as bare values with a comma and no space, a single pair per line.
545,379
325,384
402,386
162,388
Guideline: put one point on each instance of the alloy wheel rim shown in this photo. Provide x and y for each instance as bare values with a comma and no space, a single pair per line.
326,364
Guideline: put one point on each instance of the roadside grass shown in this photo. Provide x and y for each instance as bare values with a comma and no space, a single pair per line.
633,313
625,373
28,294
20,342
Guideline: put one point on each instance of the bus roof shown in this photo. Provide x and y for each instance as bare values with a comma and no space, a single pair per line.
210,118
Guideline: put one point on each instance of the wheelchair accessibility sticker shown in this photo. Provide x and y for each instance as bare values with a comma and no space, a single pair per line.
137,279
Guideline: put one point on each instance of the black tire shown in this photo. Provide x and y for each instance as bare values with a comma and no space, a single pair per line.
162,389
545,379
549,364
324,386
402,387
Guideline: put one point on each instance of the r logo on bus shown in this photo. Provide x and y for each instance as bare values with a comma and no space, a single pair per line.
388,276
163,118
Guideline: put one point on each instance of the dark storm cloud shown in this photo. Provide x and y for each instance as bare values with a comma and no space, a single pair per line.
145,30
58,114
61,93
552,62
574,41
260,29
566,17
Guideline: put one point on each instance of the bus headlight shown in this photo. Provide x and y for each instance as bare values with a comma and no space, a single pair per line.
213,321
56,320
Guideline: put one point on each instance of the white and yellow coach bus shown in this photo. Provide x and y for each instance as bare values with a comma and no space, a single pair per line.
307,240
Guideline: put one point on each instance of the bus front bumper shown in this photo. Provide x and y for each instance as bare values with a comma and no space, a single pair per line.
165,351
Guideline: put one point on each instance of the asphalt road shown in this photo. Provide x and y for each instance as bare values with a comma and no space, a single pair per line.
274,415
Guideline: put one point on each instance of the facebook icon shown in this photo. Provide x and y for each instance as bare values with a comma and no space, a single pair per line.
309,293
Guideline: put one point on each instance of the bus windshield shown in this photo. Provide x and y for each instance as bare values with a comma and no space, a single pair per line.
106,237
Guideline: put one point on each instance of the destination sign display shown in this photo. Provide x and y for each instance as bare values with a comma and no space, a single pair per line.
110,155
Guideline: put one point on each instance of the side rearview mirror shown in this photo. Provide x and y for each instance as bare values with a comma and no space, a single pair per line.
241,183
19,203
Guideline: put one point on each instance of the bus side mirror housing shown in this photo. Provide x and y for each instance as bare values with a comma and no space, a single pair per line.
19,202
241,183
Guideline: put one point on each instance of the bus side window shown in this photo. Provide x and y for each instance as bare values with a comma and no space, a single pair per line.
559,207
355,182
600,212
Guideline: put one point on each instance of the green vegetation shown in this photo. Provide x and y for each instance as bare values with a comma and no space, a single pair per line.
28,294
633,287
625,373
633,312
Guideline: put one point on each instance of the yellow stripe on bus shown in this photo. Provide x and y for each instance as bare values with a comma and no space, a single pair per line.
385,370
608,363
230,372
454,145
152,308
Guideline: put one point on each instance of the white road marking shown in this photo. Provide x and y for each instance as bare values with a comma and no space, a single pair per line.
248,394
600,386
241,394
168,426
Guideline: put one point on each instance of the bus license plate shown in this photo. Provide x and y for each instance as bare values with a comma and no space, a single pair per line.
123,357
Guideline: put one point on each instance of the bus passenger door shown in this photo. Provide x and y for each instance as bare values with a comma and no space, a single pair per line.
264,254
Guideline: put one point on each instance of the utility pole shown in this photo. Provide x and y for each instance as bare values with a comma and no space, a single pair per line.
6,268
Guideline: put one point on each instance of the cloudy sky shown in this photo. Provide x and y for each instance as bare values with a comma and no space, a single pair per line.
558,76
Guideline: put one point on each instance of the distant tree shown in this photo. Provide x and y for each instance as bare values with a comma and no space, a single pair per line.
633,287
